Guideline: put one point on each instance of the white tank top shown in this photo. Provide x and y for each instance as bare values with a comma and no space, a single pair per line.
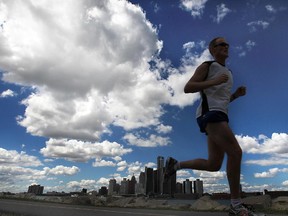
218,97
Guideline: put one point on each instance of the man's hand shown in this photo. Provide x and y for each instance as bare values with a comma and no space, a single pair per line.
241,91
221,79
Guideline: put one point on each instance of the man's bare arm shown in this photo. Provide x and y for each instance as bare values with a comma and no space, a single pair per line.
198,82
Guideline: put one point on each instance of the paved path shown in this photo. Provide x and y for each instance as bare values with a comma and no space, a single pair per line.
30,208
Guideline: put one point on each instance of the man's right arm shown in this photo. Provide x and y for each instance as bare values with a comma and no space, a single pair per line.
198,81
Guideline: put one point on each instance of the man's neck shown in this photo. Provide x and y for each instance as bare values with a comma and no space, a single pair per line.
221,61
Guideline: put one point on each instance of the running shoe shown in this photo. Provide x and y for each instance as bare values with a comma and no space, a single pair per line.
243,210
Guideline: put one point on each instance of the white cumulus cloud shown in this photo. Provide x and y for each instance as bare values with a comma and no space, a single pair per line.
84,183
255,25
276,145
7,93
103,163
270,9
152,141
16,169
80,151
196,7
88,65
270,173
222,11
12,157
62,170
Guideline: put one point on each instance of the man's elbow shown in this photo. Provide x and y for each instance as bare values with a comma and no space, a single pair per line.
188,90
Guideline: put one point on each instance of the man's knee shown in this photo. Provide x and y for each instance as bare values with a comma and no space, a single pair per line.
214,167
235,152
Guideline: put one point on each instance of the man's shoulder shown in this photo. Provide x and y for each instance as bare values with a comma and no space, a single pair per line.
208,62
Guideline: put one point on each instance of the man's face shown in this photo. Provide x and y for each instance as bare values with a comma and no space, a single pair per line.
221,48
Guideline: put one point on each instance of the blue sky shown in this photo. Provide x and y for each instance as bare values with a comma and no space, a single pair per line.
93,90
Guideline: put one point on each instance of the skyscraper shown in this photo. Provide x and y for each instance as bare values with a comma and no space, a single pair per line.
36,189
140,186
131,185
156,184
179,188
148,181
124,186
169,187
187,186
112,187
198,187
160,162
142,178
160,176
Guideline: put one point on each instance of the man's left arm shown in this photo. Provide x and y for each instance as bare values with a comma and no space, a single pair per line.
241,91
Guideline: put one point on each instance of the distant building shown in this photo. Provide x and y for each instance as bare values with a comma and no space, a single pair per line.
103,191
148,187
187,187
142,178
198,187
155,182
84,191
93,193
112,187
160,174
169,187
179,188
124,186
139,187
36,189
275,194
131,185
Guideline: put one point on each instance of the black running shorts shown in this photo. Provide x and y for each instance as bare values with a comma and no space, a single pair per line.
211,116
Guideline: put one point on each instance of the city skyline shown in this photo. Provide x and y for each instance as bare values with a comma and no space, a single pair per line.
150,182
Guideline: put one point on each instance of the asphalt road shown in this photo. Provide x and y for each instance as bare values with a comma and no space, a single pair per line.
28,208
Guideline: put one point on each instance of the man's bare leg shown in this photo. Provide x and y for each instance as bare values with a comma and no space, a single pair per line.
224,138
213,163
220,140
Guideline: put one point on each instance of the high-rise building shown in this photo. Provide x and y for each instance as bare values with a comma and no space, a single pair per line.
160,162
131,185
169,187
112,187
148,187
187,187
124,186
156,184
36,189
179,188
142,178
103,191
198,187
139,187
160,174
